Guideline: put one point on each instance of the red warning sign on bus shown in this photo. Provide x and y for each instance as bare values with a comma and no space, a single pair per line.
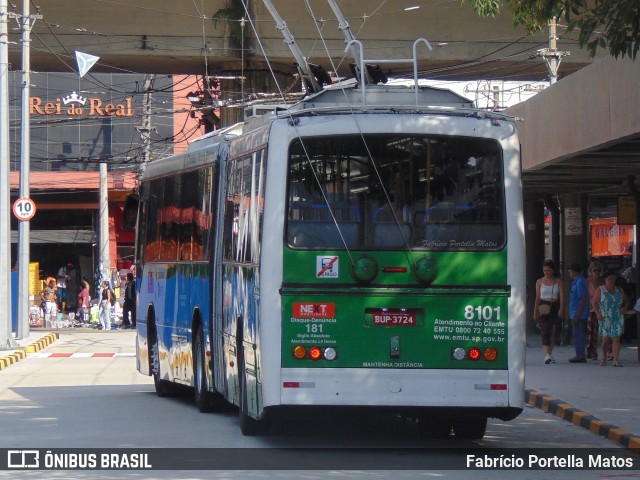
314,310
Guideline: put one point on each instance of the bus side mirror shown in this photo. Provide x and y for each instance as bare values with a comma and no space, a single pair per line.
130,212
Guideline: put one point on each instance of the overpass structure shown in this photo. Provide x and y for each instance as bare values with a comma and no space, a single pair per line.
581,135
215,37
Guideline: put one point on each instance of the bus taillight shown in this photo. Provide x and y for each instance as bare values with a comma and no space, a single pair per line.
490,354
315,353
330,353
459,353
299,352
474,353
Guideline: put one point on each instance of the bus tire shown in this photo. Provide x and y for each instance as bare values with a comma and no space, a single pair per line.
205,400
163,388
434,427
249,426
470,428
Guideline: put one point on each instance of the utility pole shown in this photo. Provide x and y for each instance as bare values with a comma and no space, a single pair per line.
496,98
552,56
145,127
491,93
26,22
6,337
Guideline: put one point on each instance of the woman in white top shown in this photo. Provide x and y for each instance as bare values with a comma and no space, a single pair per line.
549,308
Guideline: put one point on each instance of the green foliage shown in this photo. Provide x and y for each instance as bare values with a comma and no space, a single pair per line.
232,14
486,8
601,24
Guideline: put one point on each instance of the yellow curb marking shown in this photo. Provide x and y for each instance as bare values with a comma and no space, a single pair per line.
595,425
616,433
21,352
578,416
562,409
545,403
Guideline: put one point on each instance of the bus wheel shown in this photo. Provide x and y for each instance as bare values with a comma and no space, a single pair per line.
434,427
205,400
249,426
470,428
163,388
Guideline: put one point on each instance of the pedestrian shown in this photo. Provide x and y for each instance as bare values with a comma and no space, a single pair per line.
49,296
106,297
129,306
594,282
84,301
578,312
548,308
61,281
608,301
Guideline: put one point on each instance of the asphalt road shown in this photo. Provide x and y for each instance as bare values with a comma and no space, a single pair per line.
83,392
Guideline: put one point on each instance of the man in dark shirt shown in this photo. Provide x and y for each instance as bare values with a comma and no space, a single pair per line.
129,303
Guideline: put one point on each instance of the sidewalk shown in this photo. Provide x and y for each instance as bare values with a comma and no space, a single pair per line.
604,400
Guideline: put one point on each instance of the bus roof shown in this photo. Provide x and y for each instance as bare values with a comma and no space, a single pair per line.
345,97
384,96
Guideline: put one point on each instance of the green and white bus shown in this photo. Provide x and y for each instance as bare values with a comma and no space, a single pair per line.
355,250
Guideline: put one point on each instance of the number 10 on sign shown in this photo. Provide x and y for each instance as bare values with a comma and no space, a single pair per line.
24,209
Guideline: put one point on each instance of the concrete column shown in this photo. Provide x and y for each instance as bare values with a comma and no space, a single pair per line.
534,244
574,245
575,231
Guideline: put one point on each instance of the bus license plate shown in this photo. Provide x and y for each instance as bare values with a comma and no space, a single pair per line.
398,318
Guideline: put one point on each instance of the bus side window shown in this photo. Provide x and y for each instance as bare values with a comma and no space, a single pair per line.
202,225
153,219
188,200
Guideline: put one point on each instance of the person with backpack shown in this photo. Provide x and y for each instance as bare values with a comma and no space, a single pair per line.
107,300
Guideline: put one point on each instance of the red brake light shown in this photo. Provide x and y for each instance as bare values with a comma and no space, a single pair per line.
315,353
474,353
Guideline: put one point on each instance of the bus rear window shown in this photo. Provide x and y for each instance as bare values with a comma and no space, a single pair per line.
395,192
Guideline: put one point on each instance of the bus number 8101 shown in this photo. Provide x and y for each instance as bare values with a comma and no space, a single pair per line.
481,312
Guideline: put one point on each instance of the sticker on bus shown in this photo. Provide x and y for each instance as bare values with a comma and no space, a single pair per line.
314,310
327,267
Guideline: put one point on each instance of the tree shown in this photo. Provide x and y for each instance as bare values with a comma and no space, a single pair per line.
612,24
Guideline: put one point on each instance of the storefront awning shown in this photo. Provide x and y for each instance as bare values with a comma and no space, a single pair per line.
58,236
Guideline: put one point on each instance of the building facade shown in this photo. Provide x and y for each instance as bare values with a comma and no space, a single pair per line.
75,125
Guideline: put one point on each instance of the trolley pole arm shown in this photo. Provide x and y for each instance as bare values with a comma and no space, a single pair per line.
354,48
303,65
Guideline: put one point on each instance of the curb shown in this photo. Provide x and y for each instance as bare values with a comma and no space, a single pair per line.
21,353
568,412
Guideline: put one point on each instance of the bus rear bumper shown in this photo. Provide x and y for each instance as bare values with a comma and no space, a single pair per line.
495,392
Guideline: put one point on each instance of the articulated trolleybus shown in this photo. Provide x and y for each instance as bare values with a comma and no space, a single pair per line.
361,249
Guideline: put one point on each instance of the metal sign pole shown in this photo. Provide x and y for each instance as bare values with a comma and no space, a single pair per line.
26,23
6,336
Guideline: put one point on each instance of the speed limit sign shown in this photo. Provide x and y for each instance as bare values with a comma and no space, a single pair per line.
24,208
